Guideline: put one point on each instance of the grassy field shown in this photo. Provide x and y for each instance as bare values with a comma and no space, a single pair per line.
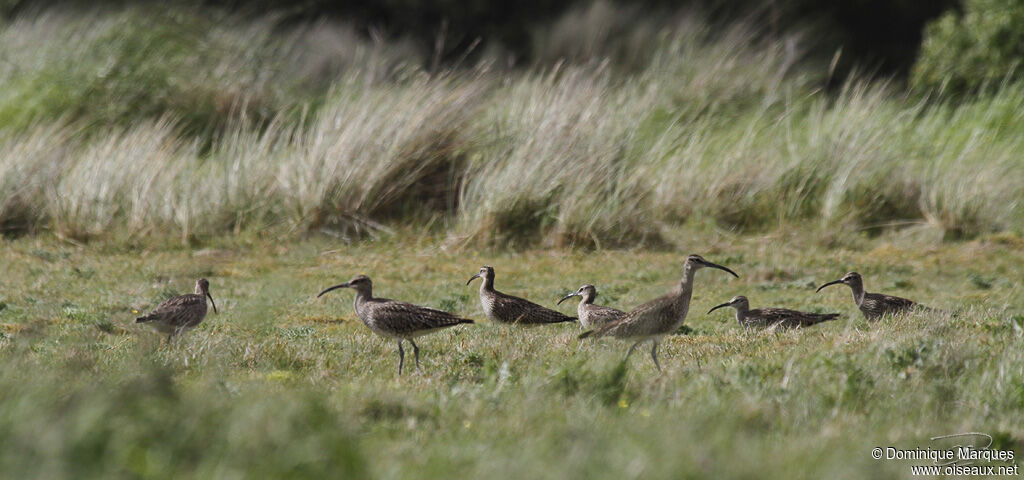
145,146
283,384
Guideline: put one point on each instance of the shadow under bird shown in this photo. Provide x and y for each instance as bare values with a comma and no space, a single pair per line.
653,320
396,320
773,317
591,315
178,314
874,305
510,309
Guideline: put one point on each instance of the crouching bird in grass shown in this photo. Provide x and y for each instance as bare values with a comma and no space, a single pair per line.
659,317
876,305
400,321
591,315
773,317
504,308
179,314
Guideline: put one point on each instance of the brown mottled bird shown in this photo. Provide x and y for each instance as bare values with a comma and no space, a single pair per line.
773,317
396,320
875,305
592,316
178,314
659,317
509,309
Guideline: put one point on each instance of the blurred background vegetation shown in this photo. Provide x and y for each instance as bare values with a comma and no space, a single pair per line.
588,123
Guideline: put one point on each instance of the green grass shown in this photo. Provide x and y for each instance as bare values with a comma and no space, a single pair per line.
282,384
141,148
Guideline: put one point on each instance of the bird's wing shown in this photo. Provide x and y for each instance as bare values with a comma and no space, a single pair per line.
523,311
633,323
897,301
880,304
793,318
779,317
177,311
604,313
408,318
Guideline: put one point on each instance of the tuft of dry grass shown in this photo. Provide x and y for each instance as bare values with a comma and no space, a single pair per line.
710,125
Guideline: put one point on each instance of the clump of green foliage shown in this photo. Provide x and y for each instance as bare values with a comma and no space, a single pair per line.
980,47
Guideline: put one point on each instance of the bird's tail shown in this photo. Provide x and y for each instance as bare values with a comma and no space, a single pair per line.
586,334
143,319
824,318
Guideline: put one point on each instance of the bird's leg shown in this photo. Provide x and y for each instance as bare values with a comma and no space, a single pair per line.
654,353
416,353
401,357
630,352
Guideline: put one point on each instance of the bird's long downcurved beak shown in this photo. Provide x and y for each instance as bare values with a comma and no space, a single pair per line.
472,278
833,282
573,294
726,304
212,302
720,267
343,285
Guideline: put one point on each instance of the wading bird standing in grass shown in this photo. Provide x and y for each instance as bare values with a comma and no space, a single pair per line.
400,321
875,305
592,316
178,314
509,309
773,317
659,317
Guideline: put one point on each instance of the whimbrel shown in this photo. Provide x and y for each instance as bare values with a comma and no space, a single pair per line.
592,316
178,314
509,309
659,317
773,317
400,321
874,305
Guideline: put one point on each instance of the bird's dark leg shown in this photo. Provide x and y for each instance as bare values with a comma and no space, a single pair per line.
401,357
416,353
630,352
654,353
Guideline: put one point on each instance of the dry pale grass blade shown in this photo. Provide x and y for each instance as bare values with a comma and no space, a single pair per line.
30,167
123,179
374,151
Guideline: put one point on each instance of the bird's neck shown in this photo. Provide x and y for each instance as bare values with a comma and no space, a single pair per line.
858,293
741,312
363,295
487,285
683,292
587,299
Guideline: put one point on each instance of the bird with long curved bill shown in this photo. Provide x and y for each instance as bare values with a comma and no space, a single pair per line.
396,320
875,305
590,314
653,320
181,313
772,317
504,308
